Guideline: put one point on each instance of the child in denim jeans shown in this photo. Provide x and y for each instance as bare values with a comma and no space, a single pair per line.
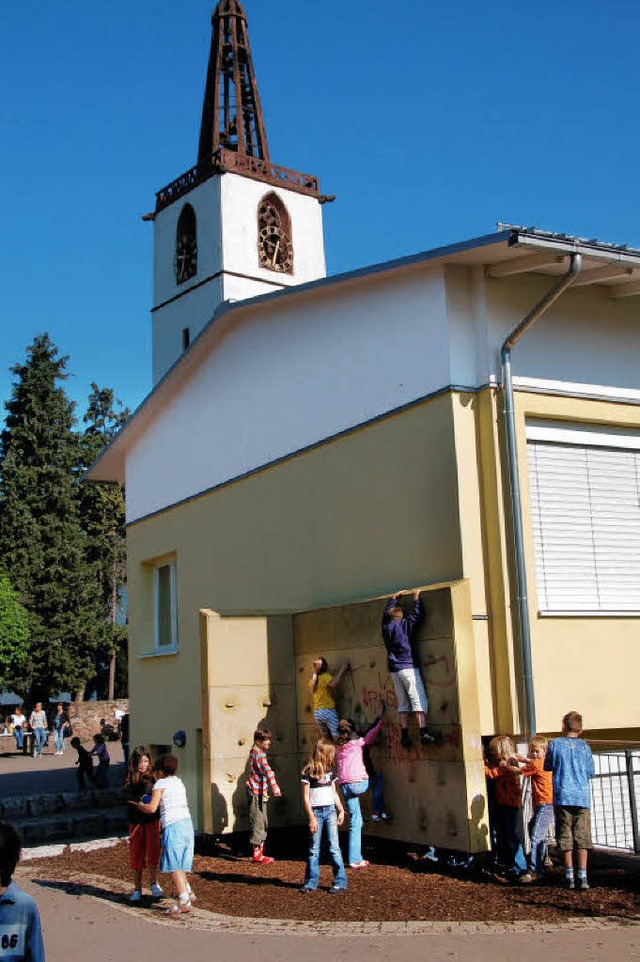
542,798
324,808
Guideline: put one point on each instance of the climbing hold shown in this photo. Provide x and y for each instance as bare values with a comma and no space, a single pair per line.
372,663
229,704
241,741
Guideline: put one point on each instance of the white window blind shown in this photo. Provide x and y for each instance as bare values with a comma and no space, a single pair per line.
585,508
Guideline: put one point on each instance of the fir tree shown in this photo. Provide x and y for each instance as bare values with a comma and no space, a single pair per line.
41,539
103,519
14,635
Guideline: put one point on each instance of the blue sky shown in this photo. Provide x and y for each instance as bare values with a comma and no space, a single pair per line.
429,121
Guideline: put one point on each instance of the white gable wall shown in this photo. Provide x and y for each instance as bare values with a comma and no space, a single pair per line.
288,375
291,373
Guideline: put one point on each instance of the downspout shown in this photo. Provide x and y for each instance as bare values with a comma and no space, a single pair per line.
514,483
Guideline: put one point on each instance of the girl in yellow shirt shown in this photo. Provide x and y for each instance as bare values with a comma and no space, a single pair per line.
323,689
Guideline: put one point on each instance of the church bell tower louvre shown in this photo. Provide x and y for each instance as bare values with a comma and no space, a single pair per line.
236,225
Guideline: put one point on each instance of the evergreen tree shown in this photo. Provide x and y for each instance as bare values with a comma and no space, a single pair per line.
41,539
103,519
14,635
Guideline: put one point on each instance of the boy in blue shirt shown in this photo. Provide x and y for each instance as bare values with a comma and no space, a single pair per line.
20,931
571,761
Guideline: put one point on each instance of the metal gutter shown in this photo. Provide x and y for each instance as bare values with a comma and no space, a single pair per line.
514,482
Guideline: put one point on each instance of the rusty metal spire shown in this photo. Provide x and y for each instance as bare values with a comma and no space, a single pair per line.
231,114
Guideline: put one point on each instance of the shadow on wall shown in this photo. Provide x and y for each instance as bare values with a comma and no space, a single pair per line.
478,832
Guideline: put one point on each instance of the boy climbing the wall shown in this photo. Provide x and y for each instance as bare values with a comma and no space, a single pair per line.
398,632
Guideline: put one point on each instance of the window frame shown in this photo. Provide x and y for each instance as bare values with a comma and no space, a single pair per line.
172,648
556,539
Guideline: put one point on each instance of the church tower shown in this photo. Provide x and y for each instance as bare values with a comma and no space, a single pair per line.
235,225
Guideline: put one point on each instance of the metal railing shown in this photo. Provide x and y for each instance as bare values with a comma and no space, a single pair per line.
615,797
615,802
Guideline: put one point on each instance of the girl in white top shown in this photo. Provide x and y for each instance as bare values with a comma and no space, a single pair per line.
169,795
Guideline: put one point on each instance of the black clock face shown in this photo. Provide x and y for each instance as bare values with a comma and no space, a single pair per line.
275,250
186,259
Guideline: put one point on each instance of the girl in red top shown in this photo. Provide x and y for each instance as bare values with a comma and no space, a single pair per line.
507,800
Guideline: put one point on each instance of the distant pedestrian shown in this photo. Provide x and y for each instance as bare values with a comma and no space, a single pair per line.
261,779
571,761
124,738
144,829
60,722
104,760
20,929
38,725
170,796
19,722
84,763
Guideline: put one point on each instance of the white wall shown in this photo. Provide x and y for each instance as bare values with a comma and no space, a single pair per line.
226,215
287,375
291,373
240,200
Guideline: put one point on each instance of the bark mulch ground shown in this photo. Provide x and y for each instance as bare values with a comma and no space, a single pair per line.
411,889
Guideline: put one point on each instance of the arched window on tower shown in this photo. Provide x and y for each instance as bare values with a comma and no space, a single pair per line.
275,250
186,257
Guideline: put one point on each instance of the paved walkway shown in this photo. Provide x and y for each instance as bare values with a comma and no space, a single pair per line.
81,923
21,774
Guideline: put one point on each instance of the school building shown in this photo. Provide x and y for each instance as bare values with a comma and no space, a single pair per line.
465,421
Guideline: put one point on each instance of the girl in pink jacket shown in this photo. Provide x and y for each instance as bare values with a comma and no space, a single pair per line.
354,781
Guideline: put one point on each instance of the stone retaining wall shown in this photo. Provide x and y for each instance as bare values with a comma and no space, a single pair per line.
86,716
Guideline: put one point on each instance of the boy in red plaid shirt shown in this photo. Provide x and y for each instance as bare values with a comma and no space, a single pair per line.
261,779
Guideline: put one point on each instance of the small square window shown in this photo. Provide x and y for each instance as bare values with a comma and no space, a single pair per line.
165,607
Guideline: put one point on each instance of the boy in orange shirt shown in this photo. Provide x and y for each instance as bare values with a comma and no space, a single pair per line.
542,798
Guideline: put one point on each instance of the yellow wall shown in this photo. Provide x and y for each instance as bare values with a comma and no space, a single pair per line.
590,665
430,790
415,499
353,519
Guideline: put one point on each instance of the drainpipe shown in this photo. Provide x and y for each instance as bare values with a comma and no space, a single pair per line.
514,483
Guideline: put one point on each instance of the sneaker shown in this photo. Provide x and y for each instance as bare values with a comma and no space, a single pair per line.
582,885
266,860
569,883
528,878
362,864
337,888
428,737
405,741
136,896
375,817
306,888
548,863
156,891
192,896
385,816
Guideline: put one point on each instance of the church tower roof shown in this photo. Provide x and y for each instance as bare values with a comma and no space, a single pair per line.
231,114
232,131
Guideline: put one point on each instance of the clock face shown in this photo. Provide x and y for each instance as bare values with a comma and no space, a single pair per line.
185,262
275,249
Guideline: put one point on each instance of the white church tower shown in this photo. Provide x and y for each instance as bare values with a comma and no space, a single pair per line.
235,225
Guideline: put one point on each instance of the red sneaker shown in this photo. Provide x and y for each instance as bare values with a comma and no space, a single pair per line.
266,860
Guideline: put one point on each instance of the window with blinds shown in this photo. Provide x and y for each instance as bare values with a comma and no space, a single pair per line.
585,506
